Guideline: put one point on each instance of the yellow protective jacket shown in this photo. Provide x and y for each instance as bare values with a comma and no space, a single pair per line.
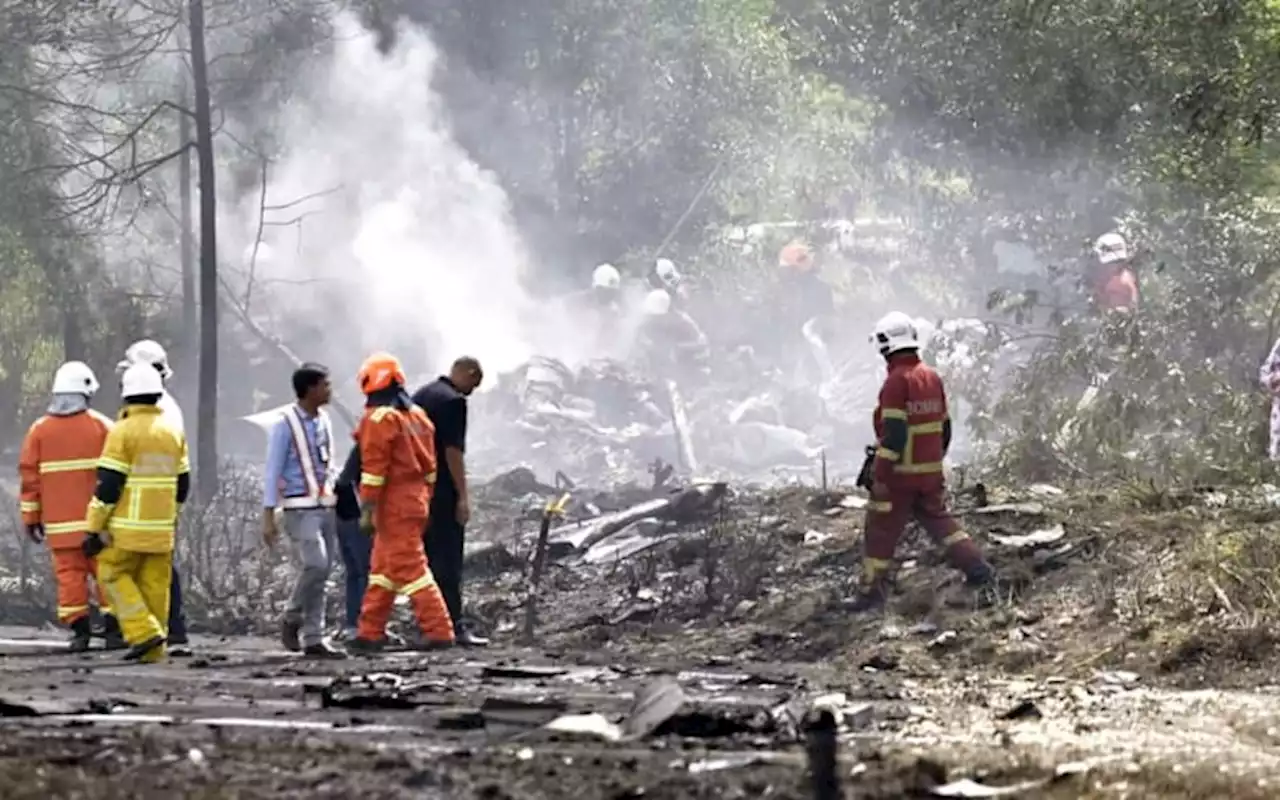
144,475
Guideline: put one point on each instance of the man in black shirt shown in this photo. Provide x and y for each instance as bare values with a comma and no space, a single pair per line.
445,402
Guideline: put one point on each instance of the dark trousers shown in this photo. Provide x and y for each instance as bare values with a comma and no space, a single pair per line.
356,549
443,540
177,616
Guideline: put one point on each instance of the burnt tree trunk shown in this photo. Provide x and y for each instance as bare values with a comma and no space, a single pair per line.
206,472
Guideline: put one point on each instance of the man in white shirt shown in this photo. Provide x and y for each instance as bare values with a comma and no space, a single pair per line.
149,351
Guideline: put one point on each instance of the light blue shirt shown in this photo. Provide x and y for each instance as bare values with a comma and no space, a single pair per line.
283,474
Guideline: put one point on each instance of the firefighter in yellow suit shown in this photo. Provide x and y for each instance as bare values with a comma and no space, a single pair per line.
144,475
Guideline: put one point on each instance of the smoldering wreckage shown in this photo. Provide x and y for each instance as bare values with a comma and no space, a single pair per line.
660,635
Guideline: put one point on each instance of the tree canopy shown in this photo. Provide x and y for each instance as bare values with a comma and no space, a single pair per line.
617,127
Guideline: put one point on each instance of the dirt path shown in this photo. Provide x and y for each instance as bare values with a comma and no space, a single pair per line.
246,720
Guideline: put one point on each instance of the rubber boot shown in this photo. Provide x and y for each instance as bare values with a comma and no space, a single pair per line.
113,638
143,649
81,633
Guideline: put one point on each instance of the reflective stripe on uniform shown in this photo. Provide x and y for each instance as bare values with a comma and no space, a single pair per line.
74,526
114,465
880,506
66,611
407,589
908,466
369,479
893,413
30,506
68,465
887,454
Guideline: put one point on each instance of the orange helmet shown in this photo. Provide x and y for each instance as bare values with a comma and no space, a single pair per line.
380,371
797,256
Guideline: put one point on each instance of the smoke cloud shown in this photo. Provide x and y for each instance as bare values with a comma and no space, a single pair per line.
416,252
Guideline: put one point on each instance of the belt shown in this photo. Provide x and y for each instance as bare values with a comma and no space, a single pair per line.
307,501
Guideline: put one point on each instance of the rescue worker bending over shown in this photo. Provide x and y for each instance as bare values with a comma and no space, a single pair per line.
144,475
913,429
670,342
58,468
398,473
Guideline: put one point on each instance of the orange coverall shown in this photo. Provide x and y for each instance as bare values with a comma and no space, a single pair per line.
398,471
59,472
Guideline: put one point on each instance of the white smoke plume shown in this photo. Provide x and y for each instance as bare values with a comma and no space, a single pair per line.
418,245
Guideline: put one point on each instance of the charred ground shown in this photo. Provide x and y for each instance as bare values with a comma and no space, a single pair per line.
1127,651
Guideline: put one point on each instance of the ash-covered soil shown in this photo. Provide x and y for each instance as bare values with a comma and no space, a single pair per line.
1128,654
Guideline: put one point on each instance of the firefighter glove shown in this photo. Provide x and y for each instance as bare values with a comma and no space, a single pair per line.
35,532
93,545
366,520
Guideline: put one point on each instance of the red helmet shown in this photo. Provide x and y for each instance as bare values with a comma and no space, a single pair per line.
380,371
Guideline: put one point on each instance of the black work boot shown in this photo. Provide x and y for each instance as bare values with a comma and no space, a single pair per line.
981,574
290,630
113,638
324,651
464,636
366,647
81,633
143,648
179,648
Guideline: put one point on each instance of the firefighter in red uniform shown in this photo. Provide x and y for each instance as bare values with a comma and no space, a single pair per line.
913,431
1115,286
397,476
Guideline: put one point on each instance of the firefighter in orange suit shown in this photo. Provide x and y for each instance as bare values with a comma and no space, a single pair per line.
58,469
397,475
913,431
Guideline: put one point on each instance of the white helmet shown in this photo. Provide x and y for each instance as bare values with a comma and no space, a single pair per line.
140,378
894,332
146,351
75,377
1111,248
656,303
606,276
666,271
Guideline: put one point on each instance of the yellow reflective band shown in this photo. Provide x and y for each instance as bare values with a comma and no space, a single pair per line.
887,454
68,465
113,465
893,413
880,506
412,588
154,481
955,538
66,611
925,428
382,581
30,506
369,479
74,526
